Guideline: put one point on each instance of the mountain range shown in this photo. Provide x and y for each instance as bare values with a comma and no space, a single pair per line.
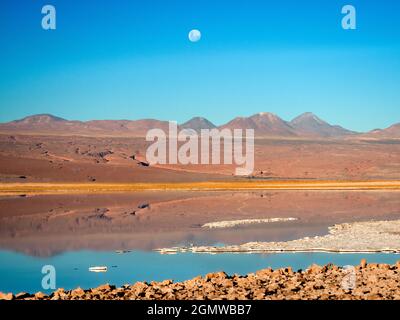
265,124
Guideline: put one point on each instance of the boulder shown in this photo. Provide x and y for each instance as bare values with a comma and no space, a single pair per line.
40,295
22,295
6,296
363,263
105,287
77,293
314,269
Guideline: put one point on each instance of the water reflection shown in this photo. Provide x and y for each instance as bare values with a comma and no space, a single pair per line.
48,225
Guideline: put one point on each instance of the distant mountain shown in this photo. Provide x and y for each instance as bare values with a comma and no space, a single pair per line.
197,123
388,133
264,124
125,127
36,123
309,124
49,124
39,119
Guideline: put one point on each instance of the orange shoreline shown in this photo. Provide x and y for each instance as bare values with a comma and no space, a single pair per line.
56,188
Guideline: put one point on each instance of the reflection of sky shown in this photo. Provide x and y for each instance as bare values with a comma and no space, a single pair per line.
132,59
23,273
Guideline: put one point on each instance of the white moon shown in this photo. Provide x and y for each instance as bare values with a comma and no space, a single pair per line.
194,35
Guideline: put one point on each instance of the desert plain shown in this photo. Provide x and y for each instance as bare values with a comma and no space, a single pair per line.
93,189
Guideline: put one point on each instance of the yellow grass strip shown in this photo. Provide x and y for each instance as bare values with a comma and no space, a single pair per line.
73,188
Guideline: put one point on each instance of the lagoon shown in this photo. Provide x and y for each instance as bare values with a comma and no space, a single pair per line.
22,273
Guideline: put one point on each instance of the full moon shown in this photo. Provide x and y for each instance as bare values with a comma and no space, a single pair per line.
194,35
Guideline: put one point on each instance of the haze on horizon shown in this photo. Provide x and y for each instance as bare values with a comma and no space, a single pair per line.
133,60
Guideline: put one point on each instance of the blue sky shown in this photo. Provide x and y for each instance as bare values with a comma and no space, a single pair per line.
132,59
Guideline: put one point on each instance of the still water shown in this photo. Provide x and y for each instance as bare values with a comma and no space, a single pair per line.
19,272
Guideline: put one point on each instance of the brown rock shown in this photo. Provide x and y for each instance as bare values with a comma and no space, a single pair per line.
319,285
40,295
215,275
272,288
259,294
314,269
149,294
59,294
78,293
105,287
6,296
264,273
22,295
372,266
166,282
289,271
293,286
372,279
226,283
120,292
327,267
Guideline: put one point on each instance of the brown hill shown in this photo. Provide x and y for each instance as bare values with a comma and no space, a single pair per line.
264,124
197,123
38,119
392,132
48,124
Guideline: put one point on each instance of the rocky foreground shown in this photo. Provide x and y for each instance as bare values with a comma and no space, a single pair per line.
366,281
